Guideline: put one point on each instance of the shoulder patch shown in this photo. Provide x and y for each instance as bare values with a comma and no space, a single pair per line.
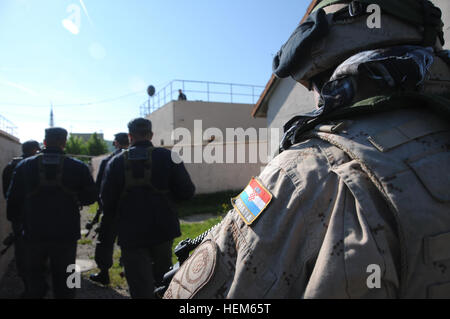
252,201
195,273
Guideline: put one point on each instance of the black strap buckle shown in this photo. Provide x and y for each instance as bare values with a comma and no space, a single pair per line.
356,8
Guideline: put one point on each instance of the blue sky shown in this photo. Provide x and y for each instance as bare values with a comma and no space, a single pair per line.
121,47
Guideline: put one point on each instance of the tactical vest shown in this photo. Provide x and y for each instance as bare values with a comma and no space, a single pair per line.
145,180
406,154
57,160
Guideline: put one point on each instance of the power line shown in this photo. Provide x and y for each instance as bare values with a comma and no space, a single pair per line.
75,104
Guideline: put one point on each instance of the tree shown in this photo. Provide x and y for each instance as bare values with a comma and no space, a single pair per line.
96,146
75,146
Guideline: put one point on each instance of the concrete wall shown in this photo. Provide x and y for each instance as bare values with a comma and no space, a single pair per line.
163,124
95,164
216,176
182,114
444,5
9,148
215,115
288,99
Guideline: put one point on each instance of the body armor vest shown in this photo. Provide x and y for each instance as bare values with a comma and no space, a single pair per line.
406,155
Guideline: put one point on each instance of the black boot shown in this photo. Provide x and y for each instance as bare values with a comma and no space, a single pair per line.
102,277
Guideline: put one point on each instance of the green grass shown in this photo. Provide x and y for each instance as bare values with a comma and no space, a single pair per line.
84,241
116,272
93,209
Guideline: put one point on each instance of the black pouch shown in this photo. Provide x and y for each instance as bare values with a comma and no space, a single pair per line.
297,47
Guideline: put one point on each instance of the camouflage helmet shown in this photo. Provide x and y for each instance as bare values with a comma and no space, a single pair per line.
334,30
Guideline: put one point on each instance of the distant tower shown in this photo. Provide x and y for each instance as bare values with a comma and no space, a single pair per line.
52,123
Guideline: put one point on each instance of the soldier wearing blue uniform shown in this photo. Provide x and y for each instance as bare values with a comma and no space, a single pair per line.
45,196
105,248
138,191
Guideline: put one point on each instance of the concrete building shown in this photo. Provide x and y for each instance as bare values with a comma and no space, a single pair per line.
282,99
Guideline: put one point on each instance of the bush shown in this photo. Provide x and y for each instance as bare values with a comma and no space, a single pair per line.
96,146
76,146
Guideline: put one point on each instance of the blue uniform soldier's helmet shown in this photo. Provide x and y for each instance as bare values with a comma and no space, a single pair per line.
334,30
30,147
55,136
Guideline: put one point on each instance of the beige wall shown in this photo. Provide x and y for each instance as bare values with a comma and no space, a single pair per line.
222,176
287,100
215,115
182,114
9,148
95,164
162,124
444,5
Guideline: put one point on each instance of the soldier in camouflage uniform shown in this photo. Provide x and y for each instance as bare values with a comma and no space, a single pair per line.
357,204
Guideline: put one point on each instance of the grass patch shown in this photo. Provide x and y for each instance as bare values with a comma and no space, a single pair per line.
116,271
93,209
85,241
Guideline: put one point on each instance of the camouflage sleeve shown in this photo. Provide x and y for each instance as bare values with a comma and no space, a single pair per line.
311,241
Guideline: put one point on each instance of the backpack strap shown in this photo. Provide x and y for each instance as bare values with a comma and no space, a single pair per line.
15,161
144,181
45,160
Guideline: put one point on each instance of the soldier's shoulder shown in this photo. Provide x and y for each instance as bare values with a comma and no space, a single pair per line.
305,164
76,163
20,161
113,159
163,153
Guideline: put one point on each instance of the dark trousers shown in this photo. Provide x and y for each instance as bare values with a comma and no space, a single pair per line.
104,249
20,253
145,268
20,256
58,256
104,254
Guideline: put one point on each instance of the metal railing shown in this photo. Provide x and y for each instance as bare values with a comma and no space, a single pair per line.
202,91
7,126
